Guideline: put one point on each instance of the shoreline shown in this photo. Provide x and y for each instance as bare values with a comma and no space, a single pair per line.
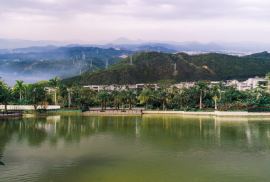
220,114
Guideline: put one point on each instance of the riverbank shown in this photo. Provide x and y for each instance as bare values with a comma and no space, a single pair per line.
215,113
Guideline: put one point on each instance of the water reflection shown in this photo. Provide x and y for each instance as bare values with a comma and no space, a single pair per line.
60,145
1,163
72,128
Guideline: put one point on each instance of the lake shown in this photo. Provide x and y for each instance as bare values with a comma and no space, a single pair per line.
134,148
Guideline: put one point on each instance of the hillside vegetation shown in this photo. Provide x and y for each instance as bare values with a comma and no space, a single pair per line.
262,55
149,67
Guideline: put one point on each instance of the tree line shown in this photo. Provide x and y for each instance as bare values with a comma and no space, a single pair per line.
167,96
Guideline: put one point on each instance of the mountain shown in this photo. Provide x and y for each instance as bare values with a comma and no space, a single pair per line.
150,67
65,53
19,43
123,40
34,49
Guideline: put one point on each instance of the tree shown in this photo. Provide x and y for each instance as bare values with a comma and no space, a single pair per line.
63,92
5,95
115,96
162,95
201,86
130,96
25,86
123,97
215,91
220,87
87,96
54,83
36,94
144,97
181,96
101,97
19,85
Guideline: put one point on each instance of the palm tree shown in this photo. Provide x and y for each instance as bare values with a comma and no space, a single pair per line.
101,96
123,97
215,91
25,86
54,83
130,96
180,96
220,87
5,95
144,97
162,95
114,97
201,86
63,92
19,85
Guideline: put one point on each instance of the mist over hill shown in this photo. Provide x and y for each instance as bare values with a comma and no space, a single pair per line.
68,53
63,62
13,45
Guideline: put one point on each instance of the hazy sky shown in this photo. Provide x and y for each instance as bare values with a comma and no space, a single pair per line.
177,20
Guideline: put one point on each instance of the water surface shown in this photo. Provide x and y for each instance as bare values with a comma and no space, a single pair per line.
134,148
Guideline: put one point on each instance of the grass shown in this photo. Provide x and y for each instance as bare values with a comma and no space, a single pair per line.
65,111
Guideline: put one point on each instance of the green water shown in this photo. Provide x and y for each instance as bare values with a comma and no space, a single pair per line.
134,148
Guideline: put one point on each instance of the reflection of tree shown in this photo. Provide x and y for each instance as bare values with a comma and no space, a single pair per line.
164,131
1,163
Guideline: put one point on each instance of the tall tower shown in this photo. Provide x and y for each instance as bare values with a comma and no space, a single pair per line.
83,55
106,63
91,64
175,72
131,60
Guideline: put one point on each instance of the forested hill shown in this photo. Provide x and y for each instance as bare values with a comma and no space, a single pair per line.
153,66
262,55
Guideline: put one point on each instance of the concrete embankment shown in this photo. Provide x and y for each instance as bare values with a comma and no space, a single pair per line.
215,113
29,107
113,112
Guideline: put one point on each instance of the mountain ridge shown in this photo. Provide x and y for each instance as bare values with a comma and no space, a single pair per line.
150,67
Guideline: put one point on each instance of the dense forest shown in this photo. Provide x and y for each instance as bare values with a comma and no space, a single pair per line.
263,55
149,67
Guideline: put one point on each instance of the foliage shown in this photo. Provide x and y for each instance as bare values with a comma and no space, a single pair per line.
151,67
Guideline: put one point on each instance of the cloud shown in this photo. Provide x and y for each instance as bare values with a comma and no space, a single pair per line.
149,9
145,19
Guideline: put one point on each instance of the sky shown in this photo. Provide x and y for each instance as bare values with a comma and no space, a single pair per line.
164,20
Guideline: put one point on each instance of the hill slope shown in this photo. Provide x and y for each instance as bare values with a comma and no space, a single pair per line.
263,55
152,66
